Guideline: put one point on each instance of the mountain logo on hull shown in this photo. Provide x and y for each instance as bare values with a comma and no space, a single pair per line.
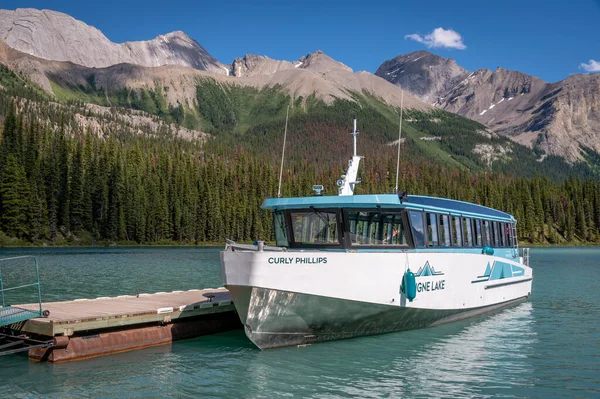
485,276
498,271
427,270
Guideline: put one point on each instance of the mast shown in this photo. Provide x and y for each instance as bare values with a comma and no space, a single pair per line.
354,134
347,181
283,151
399,140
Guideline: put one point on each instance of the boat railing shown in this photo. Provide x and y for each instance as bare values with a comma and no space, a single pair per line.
524,255
260,246
10,314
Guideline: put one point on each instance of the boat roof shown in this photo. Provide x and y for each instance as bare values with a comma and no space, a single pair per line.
389,201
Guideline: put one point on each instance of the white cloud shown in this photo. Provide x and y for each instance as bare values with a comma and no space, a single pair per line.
592,66
440,37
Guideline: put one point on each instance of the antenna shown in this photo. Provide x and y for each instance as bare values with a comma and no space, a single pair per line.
354,134
399,139
348,181
287,114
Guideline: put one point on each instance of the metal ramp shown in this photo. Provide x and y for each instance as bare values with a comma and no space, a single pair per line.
10,315
12,318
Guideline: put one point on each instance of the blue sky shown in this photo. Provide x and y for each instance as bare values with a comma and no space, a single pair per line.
549,39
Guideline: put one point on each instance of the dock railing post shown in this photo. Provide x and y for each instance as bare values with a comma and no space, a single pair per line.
2,287
37,276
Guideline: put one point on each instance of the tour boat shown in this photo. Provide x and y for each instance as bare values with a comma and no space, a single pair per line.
352,265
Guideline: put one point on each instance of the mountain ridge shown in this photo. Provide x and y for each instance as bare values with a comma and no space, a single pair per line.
321,76
559,118
57,36
545,116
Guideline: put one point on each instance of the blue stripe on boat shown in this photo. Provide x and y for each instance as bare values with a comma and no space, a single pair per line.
389,201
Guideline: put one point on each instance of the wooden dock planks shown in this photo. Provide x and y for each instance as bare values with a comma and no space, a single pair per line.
67,318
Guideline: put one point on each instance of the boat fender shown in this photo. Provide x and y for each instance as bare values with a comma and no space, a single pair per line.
60,342
487,250
410,286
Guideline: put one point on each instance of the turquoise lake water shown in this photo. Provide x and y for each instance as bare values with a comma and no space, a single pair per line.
546,348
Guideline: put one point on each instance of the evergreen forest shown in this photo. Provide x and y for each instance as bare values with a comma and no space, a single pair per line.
62,183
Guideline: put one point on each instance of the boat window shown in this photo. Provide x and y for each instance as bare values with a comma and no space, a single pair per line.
315,227
514,237
456,231
444,231
280,228
393,231
375,228
468,232
478,238
511,235
502,227
507,235
487,233
416,224
432,231
365,228
496,234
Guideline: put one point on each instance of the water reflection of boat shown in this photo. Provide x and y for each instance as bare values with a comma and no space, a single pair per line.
352,265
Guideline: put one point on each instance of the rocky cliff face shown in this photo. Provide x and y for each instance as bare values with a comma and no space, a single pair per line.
257,65
56,36
559,118
572,110
424,74
254,65
320,62
317,73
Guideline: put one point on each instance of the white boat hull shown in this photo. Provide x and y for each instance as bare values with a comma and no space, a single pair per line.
303,297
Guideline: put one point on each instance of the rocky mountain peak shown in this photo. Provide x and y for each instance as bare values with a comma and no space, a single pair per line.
321,63
56,36
422,73
258,65
557,118
177,34
254,65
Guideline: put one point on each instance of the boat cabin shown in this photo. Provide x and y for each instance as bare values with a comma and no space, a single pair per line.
389,222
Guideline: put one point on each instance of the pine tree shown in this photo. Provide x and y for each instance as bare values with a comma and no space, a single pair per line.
15,199
10,142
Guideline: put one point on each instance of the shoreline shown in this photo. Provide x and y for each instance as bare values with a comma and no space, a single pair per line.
127,244
111,245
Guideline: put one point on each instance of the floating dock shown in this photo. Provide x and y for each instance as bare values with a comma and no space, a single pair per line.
92,327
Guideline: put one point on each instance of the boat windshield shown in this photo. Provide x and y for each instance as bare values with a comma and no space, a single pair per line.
315,227
418,231
376,228
280,225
